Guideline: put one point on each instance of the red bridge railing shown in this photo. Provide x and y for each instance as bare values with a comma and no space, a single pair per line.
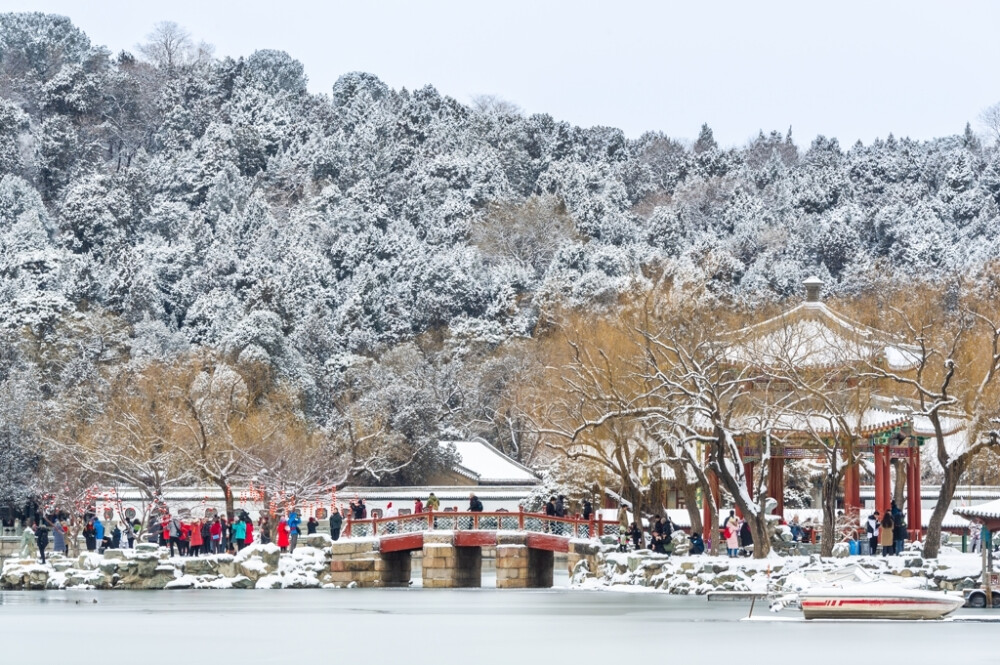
570,527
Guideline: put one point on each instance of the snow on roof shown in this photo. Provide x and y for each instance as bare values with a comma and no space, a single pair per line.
813,335
483,463
872,420
949,425
989,510
444,493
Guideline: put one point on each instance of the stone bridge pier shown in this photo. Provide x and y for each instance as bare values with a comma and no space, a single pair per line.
450,559
520,566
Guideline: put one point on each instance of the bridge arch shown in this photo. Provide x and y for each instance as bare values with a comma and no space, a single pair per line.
525,557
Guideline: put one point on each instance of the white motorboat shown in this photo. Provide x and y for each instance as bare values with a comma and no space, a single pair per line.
876,600
854,593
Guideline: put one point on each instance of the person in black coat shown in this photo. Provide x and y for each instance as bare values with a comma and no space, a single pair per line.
746,538
636,533
42,538
336,522
588,509
898,529
206,535
90,536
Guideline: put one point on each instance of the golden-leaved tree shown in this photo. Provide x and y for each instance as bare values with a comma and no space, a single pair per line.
954,331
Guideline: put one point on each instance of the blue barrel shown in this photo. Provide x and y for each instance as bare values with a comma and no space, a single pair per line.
855,550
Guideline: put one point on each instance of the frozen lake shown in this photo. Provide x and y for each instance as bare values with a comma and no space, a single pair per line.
416,626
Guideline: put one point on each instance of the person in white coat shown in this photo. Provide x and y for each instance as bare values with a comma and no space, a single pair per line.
871,530
29,548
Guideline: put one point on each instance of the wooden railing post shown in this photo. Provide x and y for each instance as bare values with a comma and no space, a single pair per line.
347,529
520,518
600,525
374,527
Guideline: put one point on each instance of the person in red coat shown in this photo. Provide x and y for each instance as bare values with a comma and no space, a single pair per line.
283,535
196,540
215,531
249,538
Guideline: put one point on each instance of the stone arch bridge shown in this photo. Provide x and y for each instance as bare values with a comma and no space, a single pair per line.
379,552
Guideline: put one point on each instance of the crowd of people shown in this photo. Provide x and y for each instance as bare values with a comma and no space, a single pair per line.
35,536
658,537
217,534
889,532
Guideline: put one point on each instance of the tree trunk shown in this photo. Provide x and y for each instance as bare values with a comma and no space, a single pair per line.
952,475
752,512
633,496
691,503
228,493
899,488
73,536
828,501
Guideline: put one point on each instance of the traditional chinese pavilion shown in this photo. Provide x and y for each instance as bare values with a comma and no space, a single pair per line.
812,336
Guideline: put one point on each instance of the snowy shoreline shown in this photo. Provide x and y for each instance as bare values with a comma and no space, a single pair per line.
700,574
149,566
603,568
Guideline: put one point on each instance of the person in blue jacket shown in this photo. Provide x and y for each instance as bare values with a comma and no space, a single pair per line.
697,544
293,529
99,534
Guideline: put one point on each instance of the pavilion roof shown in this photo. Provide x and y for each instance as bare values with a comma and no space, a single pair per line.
869,422
988,513
811,334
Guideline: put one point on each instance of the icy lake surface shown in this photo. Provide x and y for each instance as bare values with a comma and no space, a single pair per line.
445,627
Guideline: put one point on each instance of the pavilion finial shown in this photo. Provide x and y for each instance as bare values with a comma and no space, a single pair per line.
813,285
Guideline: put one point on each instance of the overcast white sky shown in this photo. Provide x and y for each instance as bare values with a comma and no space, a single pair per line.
850,69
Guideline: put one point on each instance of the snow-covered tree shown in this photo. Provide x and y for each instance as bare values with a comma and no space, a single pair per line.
955,336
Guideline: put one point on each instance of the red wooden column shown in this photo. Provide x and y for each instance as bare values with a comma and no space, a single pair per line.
879,499
883,486
913,494
887,477
852,490
908,508
776,483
